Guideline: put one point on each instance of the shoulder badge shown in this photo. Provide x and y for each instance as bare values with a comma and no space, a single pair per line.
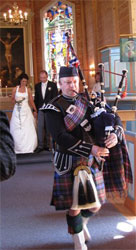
71,109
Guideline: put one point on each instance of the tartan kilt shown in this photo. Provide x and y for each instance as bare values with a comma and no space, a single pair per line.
62,195
117,172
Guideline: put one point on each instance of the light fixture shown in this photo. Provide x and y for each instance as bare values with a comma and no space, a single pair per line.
92,70
15,16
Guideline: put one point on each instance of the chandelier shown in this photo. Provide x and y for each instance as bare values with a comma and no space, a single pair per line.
15,16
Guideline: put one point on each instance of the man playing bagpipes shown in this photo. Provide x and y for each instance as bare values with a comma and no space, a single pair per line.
78,187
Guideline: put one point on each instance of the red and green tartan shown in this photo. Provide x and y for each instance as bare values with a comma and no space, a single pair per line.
116,173
74,119
99,183
62,196
117,170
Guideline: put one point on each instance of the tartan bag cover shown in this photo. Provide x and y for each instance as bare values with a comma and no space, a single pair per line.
117,171
98,178
74,118
99,182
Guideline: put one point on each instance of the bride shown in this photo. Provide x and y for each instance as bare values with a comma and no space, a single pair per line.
22,124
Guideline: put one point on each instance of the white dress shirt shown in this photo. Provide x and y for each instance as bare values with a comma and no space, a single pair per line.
97,87
44,86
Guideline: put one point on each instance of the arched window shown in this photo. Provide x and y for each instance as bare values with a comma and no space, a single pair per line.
57,20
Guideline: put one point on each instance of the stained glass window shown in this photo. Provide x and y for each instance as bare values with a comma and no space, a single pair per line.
57,21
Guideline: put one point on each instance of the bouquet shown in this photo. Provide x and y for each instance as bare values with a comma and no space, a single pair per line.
19,100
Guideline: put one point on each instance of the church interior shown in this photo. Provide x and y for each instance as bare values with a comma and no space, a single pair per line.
100,31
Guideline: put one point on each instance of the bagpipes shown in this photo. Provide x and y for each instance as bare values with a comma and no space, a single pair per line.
102,116
105,118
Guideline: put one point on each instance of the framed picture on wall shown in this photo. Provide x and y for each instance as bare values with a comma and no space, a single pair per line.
12,55
127,49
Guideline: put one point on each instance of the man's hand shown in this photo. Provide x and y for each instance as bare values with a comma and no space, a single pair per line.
99,152
111,141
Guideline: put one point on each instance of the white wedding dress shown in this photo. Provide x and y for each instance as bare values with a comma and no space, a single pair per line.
22,125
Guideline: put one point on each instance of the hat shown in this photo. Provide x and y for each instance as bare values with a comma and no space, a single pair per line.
67,71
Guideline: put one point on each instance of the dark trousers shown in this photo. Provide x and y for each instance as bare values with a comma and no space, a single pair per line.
43,134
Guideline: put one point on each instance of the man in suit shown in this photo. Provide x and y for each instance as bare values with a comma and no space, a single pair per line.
45,90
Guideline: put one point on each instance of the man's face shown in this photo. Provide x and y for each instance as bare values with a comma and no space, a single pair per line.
43,77
69,84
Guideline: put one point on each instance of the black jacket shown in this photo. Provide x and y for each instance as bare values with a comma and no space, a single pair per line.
7,154
72,140
51,92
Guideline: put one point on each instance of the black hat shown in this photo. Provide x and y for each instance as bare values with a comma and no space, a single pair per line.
67,71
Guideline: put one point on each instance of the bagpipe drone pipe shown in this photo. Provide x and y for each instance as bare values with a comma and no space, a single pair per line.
104,120
102,117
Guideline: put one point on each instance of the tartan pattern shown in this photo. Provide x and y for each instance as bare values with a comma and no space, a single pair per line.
117,170
116,173
126,160
73,120
99,182
62,196
62,191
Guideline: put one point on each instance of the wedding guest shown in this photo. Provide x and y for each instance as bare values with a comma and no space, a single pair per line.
45,90
97,86
22,124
